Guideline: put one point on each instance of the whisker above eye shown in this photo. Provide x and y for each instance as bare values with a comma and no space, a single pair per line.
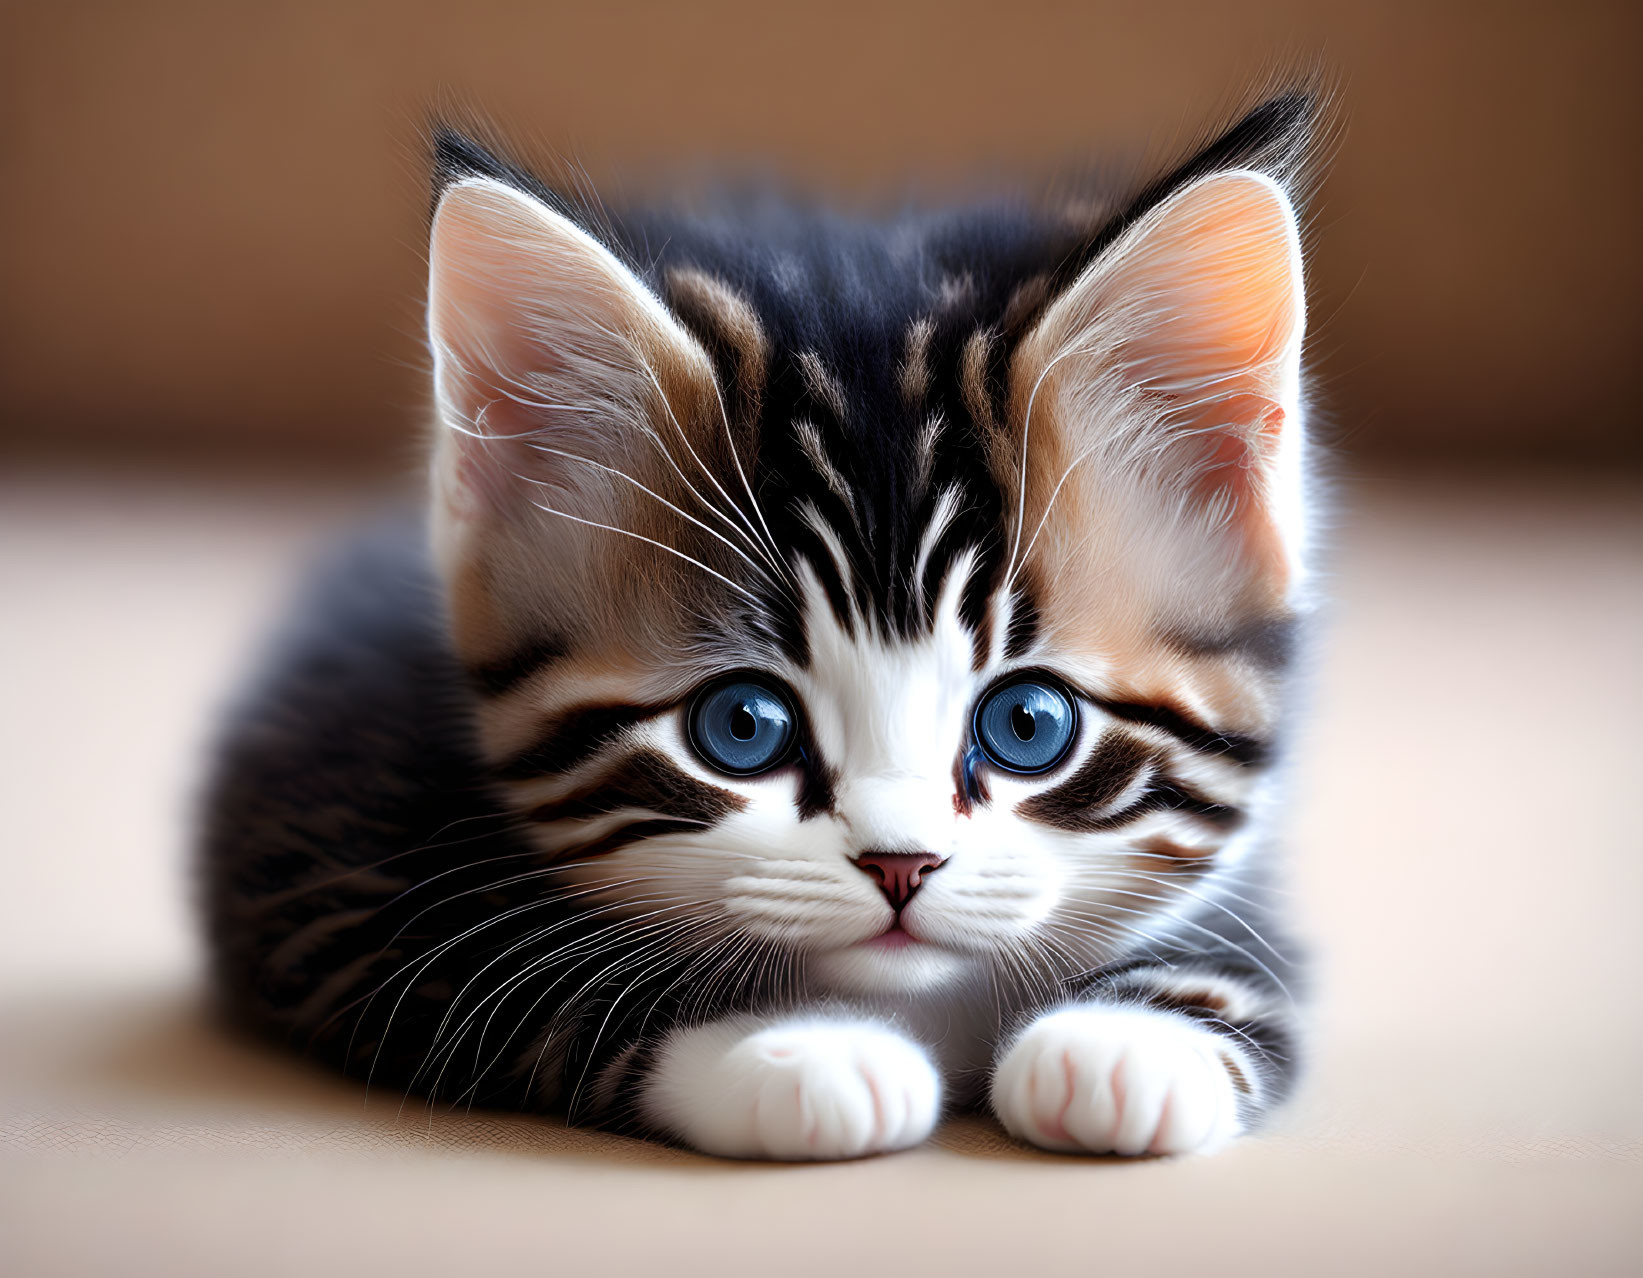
660,545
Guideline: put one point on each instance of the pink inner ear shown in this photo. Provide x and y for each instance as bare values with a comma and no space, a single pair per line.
1212,289
1238,464
541,337
1199,309
1216,311
470,484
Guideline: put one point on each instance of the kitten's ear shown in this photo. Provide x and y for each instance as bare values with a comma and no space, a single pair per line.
550,356
1189,329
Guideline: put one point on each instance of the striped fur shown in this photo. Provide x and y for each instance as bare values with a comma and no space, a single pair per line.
460,841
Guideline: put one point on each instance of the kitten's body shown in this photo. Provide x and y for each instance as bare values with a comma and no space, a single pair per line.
466,839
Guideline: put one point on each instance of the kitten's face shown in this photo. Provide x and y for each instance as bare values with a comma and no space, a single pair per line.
898,634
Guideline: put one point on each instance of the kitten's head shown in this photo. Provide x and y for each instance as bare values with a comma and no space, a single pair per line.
890,602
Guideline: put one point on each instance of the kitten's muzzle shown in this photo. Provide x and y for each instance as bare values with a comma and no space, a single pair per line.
898,874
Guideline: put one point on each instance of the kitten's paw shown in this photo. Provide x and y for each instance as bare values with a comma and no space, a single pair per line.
795,1090
1113,1080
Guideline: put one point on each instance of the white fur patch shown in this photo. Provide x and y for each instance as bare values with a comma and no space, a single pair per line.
794,1090
1117,1080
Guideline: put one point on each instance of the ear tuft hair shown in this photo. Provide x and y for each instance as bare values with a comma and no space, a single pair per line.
1274,139
458,156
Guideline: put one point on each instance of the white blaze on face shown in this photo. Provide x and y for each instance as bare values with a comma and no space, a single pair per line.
889,715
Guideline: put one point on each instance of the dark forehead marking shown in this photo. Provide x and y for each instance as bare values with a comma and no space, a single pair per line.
872,327
1025,619
847,291
981,641
865,328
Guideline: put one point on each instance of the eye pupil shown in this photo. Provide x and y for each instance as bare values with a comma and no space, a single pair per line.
1026,726
743,726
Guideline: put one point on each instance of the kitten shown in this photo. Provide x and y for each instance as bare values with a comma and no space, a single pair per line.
838,678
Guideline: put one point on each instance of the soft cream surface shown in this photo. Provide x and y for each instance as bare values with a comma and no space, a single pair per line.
1467,859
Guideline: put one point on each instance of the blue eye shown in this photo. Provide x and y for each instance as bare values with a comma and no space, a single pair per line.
742,726
1026,726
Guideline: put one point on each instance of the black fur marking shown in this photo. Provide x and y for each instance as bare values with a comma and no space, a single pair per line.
495,678
810,547
1189,731
1024,623
817,782
1111,768
1270,139
572,737
646,779
457,156
1163,795
1175,796
627,835
1270,644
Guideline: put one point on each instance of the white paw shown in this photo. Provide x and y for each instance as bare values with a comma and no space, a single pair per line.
794,1090
1110,1080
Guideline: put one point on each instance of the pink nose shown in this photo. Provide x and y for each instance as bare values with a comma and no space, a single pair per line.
898,874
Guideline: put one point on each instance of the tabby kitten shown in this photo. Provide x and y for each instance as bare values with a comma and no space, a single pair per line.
837,679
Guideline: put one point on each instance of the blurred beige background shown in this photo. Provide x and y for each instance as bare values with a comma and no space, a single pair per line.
211,224
211,233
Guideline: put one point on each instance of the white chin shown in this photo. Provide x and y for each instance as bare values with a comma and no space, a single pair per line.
869,969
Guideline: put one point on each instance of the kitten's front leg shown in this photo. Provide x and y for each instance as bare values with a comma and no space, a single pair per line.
792,1088
1167,1061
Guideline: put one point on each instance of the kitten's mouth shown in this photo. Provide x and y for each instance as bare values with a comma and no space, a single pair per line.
894,937
896,959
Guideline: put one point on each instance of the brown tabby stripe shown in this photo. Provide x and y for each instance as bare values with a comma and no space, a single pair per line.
915,364
714,306
571,736
1235,1072
1201,1003
1118,758
926,452
494,678
810,443
631,833
973,381
1175,993
1171,850
646,779
824,388
1187,730
1026,304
